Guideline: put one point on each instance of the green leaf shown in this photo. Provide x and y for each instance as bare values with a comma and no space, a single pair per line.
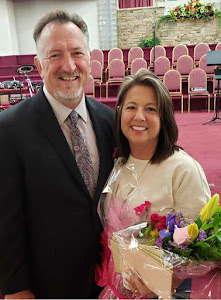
218,237
199,222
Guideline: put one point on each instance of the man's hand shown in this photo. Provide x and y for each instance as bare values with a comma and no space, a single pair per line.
26,294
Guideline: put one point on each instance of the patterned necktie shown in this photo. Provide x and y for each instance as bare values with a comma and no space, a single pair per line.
82,155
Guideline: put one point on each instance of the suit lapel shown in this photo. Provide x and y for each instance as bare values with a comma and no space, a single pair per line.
52,130
97,122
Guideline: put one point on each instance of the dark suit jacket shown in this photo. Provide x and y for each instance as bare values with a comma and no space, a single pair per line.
49,225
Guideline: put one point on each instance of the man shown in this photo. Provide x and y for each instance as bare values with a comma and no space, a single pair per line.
49,226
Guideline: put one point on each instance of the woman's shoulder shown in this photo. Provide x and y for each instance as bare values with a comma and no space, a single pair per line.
181,159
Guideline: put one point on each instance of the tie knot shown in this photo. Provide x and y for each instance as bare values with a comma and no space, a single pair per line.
74,117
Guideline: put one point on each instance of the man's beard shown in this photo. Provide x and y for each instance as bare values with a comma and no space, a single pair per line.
68,97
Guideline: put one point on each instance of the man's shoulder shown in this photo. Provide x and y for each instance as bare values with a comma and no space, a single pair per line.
100,107
20,111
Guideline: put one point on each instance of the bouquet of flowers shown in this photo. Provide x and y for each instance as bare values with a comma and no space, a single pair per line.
169,248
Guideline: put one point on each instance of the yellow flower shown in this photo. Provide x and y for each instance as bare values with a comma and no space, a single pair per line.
210,208
193,231
155,233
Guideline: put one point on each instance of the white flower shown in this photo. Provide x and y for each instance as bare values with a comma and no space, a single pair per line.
202,10
175,13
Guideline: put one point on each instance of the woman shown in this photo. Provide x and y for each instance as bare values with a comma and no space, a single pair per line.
151,168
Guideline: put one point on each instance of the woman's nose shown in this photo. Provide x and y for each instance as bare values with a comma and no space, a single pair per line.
139,115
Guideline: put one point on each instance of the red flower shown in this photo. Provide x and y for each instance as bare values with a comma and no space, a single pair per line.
147,204
207,13
155,218
209,7
163,219
176,9
143,208
161,226
140,209
188,6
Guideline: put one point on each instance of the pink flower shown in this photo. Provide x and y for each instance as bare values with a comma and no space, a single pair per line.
155,218
148,204
181,236
143,208
140,209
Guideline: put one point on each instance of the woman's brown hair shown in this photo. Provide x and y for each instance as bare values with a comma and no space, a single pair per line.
169,131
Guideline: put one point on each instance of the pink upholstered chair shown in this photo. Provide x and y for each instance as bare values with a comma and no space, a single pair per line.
89,87
199,50
134,52
208,69
96,72
218,47
178,51
112,54
159,51
197,85
115,53
173,81
137,64
116,73
97,54
162,65
185,66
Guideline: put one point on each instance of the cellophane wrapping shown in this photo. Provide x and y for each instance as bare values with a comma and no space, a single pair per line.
126,215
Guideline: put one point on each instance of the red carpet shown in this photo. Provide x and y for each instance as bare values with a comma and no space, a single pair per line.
202,142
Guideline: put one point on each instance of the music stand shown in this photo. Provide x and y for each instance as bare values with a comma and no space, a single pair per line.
24,70
213,58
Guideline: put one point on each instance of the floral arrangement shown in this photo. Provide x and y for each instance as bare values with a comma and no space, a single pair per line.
194,10
200,241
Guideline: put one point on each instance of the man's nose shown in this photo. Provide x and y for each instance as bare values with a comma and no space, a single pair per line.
68,64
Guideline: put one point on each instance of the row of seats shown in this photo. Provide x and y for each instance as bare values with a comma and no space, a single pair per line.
196,80
135,52
159,63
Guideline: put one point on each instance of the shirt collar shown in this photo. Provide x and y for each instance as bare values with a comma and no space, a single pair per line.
62,112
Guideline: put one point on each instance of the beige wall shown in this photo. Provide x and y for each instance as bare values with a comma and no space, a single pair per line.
135,24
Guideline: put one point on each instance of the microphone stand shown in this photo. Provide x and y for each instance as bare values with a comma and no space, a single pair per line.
216,116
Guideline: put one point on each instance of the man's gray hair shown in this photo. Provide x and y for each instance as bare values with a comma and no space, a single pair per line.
60,17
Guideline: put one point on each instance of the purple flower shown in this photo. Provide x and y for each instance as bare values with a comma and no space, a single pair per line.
164,233
158,242
202,236
171,221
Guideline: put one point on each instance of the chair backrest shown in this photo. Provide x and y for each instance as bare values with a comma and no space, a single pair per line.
134,52
137,64
218,47
115,53
172,80
203,65
97,54
159,51
185,64
162,65
197,78
89,87
178,51
199,50
96,70
116,68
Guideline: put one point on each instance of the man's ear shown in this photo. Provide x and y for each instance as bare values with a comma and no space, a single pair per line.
38,66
